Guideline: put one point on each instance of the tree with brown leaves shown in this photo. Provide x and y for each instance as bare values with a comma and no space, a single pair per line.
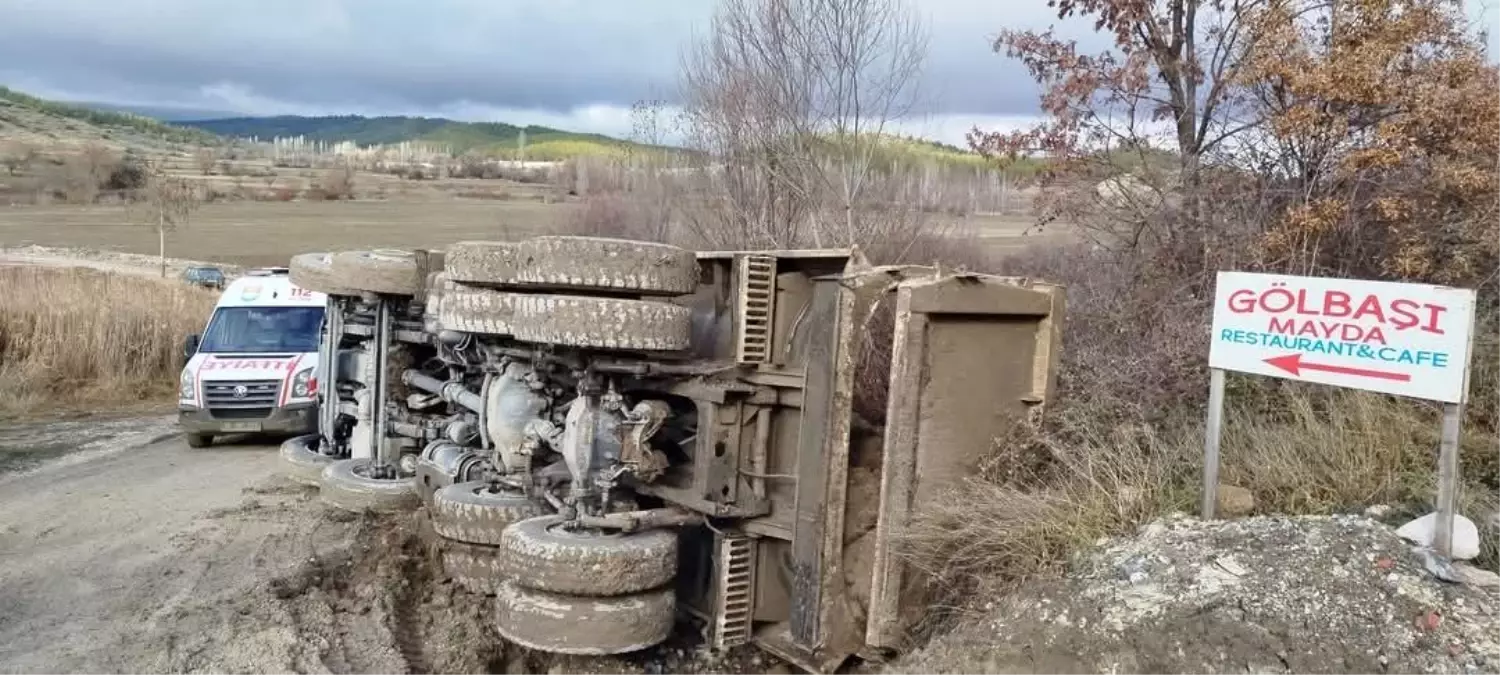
1352,137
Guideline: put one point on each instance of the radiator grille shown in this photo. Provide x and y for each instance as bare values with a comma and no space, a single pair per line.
241,399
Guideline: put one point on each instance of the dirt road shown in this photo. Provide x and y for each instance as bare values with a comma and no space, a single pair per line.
101,559
143,555
153,557
131,264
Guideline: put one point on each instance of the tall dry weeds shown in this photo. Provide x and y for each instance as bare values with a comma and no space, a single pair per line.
71,337
1043,496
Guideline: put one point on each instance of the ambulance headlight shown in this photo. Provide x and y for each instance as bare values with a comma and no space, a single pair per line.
186,391
303,384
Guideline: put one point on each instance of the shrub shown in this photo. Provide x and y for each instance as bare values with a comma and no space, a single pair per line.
336,183
130,174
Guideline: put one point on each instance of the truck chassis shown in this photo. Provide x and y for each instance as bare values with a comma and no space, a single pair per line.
608,436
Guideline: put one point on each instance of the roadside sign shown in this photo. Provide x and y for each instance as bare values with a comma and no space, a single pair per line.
1404,339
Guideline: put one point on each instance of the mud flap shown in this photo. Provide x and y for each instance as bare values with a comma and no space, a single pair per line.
972,357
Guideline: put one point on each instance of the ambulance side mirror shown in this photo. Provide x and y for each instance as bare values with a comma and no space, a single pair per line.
190,346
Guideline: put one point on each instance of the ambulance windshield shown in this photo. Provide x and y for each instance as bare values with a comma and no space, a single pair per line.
262,330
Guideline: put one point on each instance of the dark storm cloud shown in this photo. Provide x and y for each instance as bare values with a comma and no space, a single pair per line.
267,56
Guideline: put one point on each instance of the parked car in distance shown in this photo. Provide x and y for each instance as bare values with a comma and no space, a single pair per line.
202,275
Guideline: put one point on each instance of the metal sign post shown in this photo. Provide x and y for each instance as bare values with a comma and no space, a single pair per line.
1411,340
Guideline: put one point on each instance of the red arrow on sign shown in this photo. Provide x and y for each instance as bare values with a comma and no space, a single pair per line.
1293,363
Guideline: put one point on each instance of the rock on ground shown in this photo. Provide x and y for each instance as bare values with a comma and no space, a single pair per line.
1423,532
1264,594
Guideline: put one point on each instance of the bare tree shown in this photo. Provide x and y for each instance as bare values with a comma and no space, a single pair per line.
85,172
206,158
166,203
16,155
791,99
338,182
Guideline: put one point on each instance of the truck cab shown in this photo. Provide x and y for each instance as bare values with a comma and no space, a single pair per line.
253,369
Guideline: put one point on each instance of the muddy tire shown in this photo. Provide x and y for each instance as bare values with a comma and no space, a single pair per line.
198,440
602,323
576,263
387,271
301,463
314,272
566,624
346,484
472,309
480,262
471,513
541,555
473,567
600,264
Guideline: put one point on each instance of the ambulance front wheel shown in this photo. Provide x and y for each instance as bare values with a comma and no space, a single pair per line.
199,440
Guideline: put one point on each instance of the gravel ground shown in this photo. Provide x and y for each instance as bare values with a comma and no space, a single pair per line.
1265,594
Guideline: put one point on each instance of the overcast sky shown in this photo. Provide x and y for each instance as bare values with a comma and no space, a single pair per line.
571,64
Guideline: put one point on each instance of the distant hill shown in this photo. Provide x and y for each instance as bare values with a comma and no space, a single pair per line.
166,124
163,113
496,137
42,109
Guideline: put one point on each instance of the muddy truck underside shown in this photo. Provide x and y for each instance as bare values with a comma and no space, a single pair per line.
616,439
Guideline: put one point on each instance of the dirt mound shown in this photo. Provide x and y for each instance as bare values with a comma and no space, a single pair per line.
1311,594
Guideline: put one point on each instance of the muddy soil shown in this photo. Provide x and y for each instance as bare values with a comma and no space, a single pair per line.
142,555
25,446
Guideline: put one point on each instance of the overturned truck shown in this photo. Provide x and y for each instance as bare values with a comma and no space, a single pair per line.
616,438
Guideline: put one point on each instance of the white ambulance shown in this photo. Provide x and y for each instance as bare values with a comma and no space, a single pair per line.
254,368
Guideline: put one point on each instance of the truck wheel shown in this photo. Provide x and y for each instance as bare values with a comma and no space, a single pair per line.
480,262
475,568
301,463
471,309
314,272
597,263
473,513
198,440
541,554
388,271
568,624
577,263
602,323
348,485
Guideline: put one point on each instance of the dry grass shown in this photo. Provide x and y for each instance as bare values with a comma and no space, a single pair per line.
1124,439
1041,498
76,337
